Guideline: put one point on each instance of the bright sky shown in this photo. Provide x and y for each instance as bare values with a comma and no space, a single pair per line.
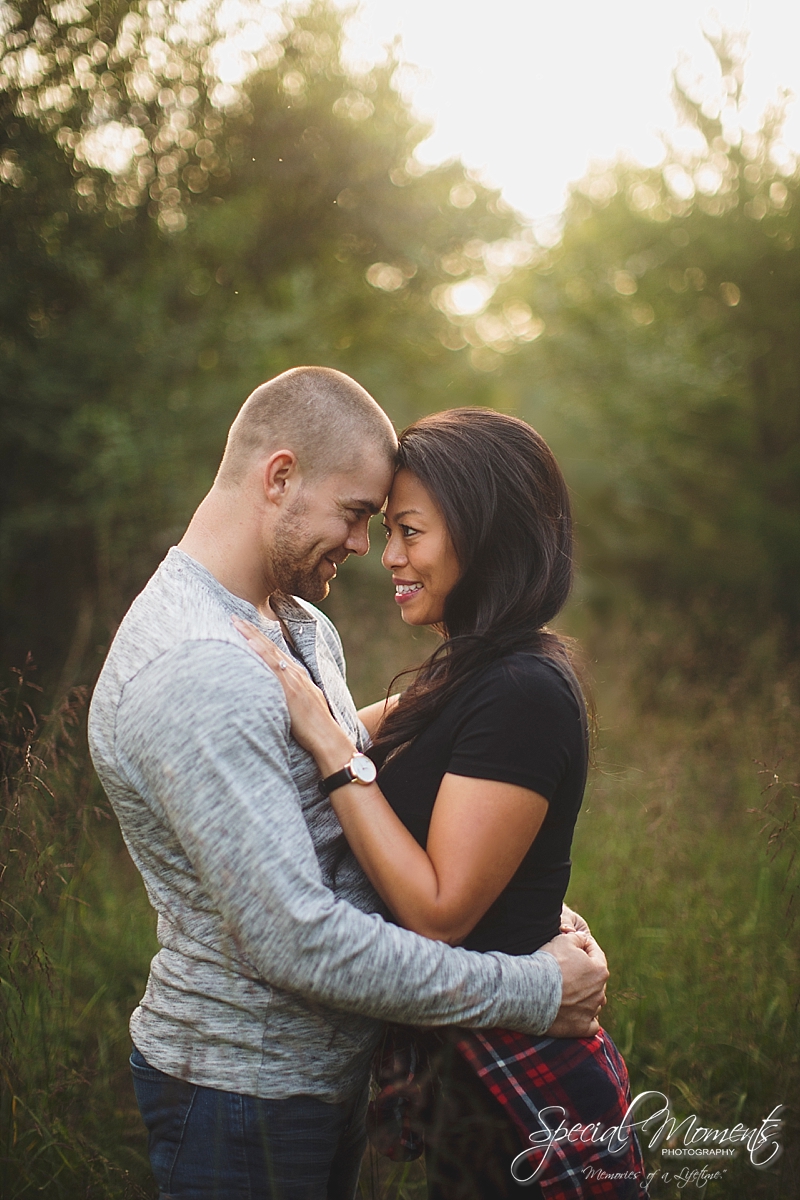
529,92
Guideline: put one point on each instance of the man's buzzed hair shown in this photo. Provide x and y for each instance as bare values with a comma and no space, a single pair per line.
323,415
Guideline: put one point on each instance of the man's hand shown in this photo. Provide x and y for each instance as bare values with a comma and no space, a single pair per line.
584,973
572,922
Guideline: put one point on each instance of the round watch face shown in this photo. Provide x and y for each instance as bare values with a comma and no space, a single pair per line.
363,768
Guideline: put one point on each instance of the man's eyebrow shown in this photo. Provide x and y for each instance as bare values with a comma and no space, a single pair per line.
367,505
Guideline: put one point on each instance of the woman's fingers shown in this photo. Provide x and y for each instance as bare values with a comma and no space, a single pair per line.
572,922
289,674
313,725
262,645
266,650
297,685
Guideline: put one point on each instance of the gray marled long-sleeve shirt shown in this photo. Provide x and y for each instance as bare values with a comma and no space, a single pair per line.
275,969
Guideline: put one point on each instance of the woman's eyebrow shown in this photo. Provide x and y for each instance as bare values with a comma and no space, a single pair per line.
405,513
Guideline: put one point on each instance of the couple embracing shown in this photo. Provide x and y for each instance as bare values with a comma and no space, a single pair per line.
318,872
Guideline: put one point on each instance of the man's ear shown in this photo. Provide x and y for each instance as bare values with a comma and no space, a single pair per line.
280,476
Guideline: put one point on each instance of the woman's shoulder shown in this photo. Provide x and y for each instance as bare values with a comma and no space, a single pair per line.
529,674
518,689
521,721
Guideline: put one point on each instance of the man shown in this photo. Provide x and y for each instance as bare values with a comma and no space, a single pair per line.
253,1039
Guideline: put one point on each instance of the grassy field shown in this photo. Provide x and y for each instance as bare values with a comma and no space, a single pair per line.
673,867
673,872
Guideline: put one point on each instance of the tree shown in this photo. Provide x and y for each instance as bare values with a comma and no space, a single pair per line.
244,230
668,372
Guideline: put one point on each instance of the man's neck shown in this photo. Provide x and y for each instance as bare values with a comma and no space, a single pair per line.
223,542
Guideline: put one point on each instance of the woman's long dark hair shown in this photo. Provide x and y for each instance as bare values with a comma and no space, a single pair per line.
507,511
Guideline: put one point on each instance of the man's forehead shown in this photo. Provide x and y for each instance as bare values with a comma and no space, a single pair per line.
365,487
364,493
368,504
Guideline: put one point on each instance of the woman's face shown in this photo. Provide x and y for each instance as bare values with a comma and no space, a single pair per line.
419,552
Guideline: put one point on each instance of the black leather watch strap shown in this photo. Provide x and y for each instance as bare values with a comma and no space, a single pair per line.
345,776
360,769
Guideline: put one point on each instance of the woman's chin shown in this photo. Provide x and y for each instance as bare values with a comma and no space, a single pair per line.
409,616
422,616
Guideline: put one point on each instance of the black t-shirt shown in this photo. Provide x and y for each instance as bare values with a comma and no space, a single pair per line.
519,721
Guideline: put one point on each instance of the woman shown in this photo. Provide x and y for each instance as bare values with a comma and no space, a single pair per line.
482,763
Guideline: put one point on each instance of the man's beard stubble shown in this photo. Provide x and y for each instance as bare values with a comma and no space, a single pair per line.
297,561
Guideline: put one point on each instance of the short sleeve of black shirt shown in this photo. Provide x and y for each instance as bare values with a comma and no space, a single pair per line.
519,722
520,725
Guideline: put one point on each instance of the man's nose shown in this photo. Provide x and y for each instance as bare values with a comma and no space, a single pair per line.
358,541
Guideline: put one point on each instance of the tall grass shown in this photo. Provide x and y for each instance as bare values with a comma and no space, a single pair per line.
682,863
76,936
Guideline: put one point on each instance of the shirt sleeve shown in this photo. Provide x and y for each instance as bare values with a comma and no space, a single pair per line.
520,725
204,736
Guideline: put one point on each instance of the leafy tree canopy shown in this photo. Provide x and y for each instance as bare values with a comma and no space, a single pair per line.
667,373
169,241
189,207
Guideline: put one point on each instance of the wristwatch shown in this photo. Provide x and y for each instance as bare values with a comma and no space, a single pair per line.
360,769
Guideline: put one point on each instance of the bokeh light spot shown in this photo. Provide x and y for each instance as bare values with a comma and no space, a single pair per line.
385,277
467,298
624,283
462,196
112,146
643,314
778,193
679,181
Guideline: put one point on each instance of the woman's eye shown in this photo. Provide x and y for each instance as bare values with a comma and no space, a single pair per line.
406,531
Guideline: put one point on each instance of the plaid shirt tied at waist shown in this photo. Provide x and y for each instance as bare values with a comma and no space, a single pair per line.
555,1090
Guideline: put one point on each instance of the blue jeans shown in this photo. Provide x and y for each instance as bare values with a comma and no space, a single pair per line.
210,1145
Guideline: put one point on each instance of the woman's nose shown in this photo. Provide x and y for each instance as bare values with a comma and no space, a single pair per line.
393,556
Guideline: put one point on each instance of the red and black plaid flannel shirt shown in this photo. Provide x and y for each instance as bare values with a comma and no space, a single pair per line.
587,1078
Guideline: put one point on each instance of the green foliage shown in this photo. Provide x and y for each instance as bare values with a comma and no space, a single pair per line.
254,227
76,931
668,867
668,377
688,902
132,333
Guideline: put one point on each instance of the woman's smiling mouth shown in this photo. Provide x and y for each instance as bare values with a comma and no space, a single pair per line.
405,589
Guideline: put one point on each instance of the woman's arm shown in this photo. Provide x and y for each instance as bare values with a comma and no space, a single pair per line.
372,715
479,833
